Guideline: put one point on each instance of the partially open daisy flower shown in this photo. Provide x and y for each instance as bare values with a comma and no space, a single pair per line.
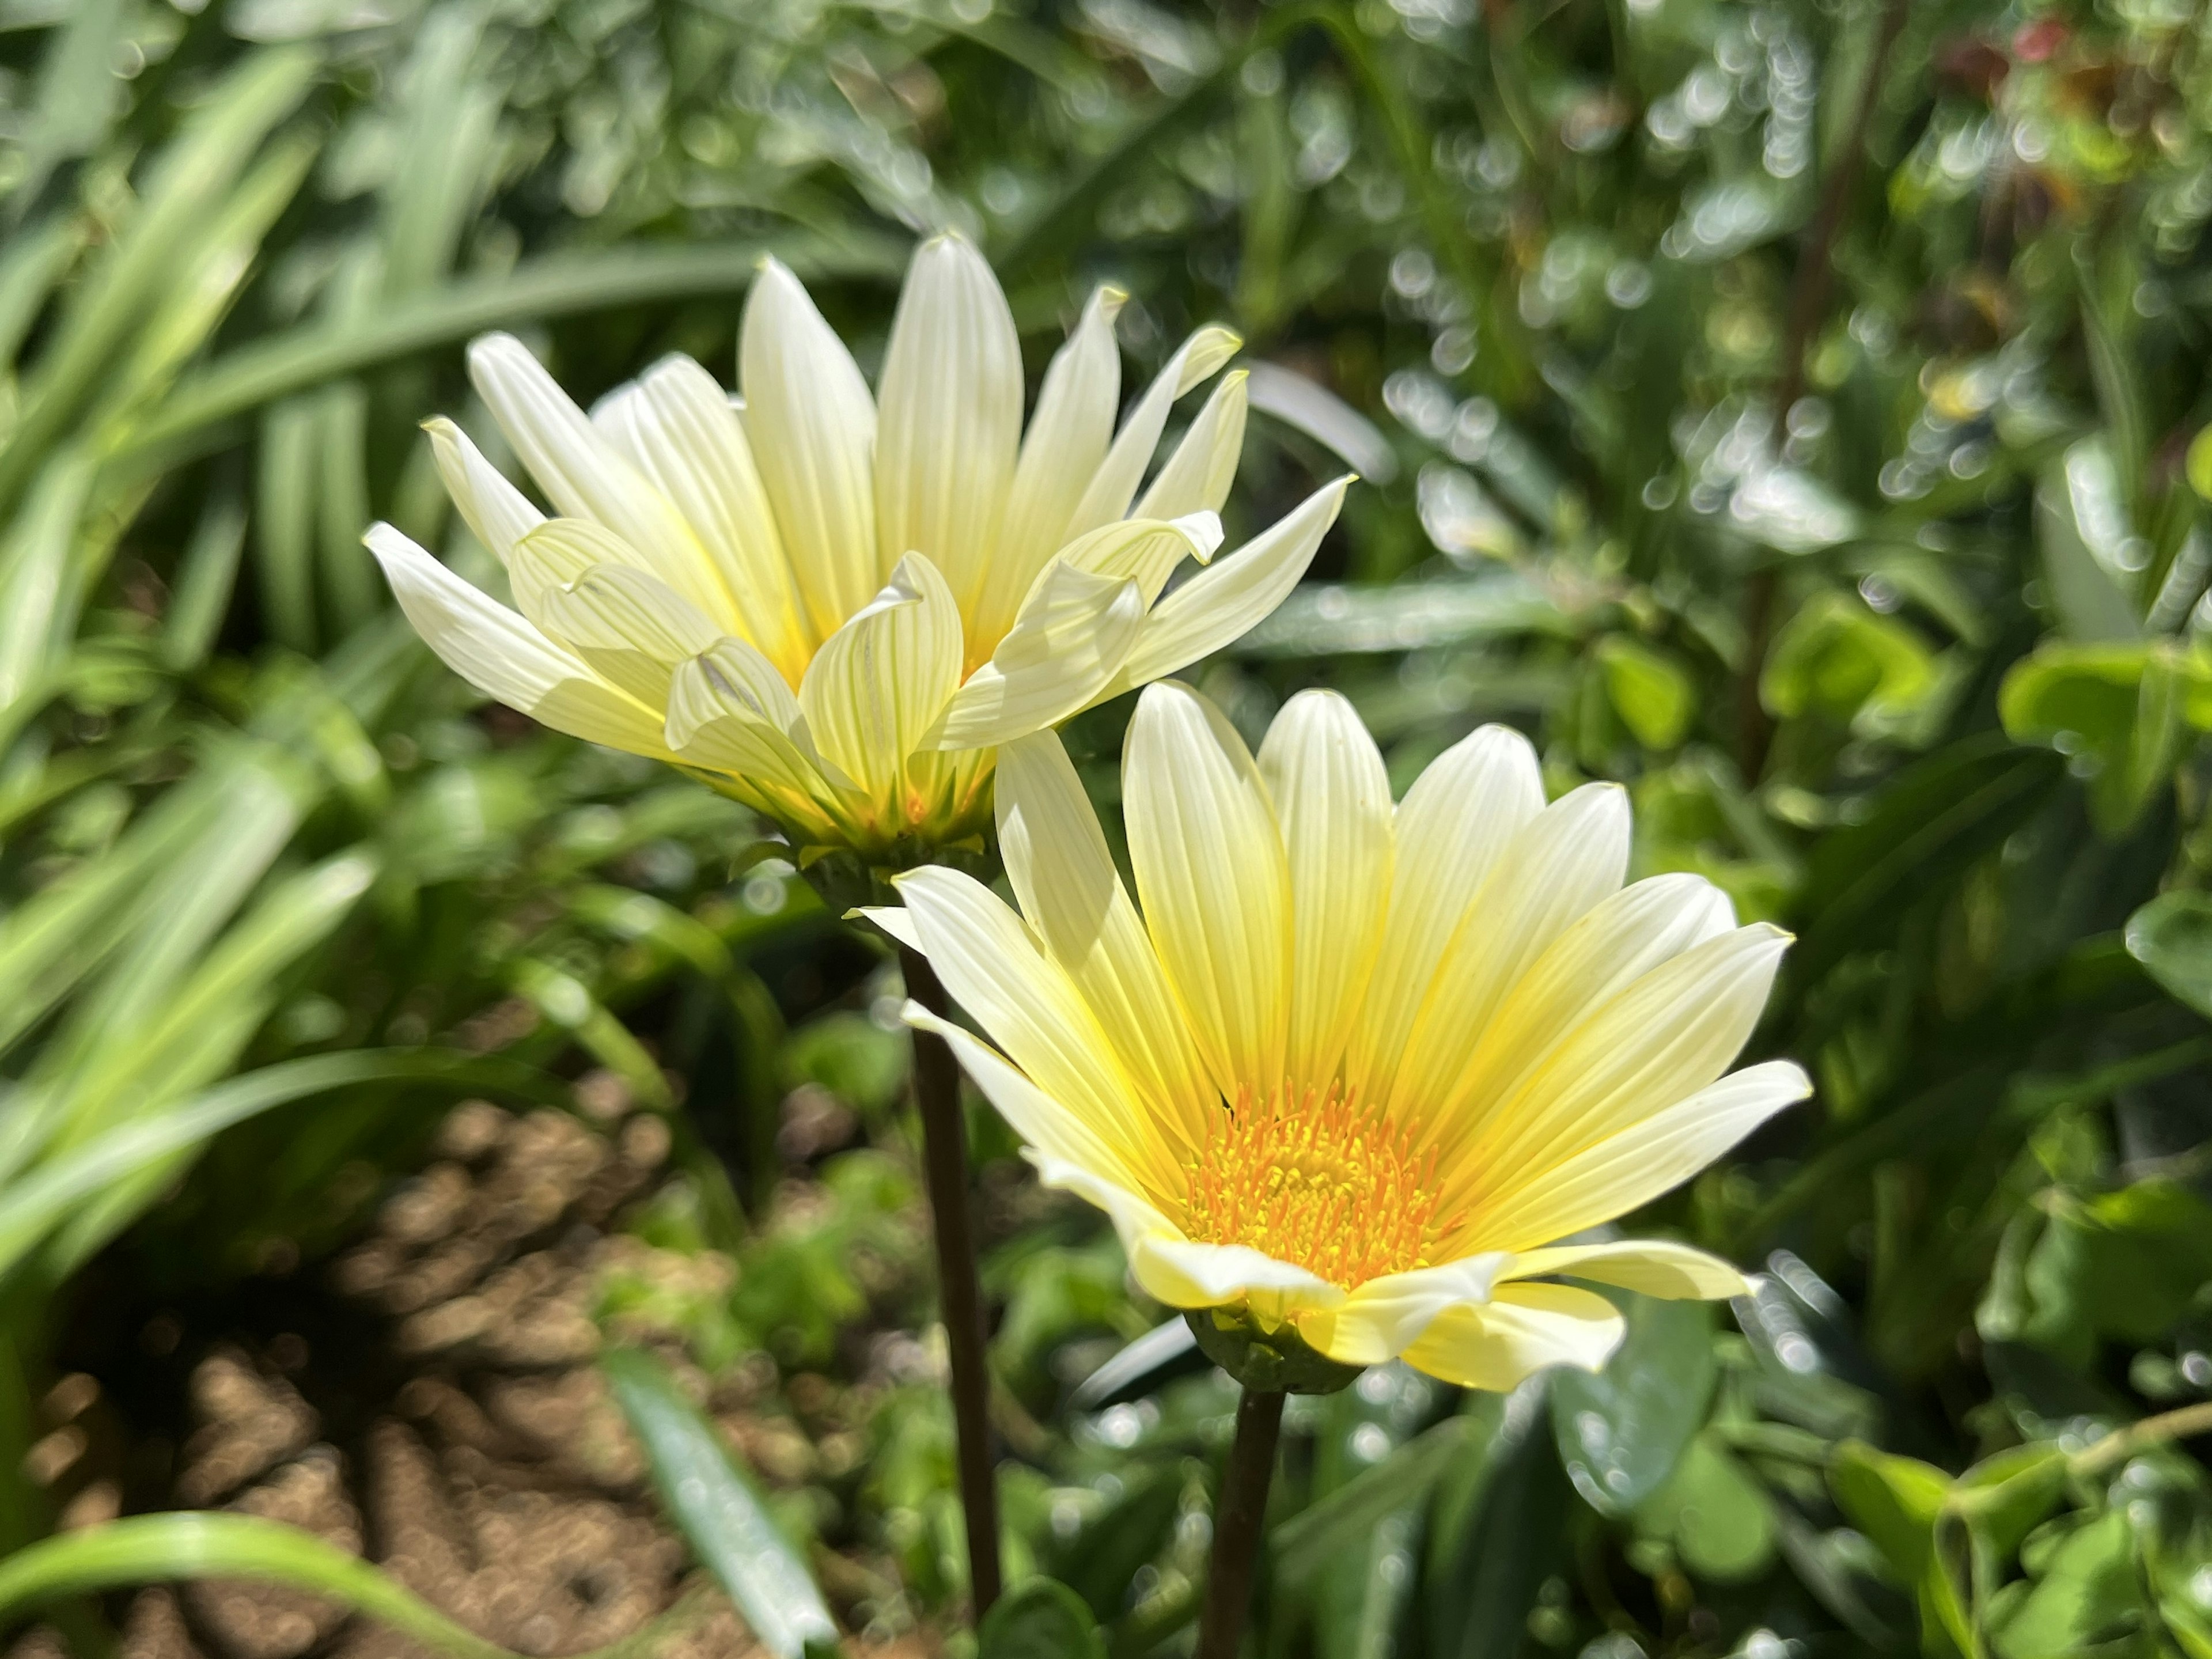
1358,1069
833,604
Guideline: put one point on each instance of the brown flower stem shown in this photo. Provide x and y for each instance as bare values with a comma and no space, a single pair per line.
1236,1523
944,1160
1808,301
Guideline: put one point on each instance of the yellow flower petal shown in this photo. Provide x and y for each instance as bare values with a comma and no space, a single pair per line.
1569,857
1070,638
1666,1036
1063,878
496,512
504,657
1197,477
1220,604
1211,876
1622,939
950,416
1144,550
1652,1266
628,624
588,478
730,712
1045,1124
676,426
1066,440
1635,1165
1115,484
812,427
1453,827
991,964
881,681
1523,1329
1332,798
1384,1316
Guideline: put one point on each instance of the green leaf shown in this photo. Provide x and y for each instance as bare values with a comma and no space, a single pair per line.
150,1549
1103,1560
2172,936
556,285
2081,528
2118,707
1039,1619
1927,827
38,1201
1321,1533
2086,1592
1650,691
1835,656
718,1510
1893,1500
2198,464
1714,1512
156,1548
1620,1431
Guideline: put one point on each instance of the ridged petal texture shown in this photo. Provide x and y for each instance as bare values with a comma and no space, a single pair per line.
1372,1070
835,604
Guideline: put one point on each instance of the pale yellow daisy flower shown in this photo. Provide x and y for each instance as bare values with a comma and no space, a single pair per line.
833,604
1357,1068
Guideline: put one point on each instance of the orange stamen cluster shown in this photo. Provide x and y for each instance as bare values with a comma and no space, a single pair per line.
1309,1178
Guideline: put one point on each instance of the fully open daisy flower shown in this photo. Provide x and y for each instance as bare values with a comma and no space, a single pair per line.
832,604
1357,1069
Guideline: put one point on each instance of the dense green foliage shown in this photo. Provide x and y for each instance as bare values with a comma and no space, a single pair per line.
1787,409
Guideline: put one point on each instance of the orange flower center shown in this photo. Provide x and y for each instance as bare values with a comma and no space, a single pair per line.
1312,1178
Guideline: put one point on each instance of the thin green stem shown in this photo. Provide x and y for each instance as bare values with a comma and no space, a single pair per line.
945,1159
1237,1520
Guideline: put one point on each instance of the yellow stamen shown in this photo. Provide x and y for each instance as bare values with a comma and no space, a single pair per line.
1310,1178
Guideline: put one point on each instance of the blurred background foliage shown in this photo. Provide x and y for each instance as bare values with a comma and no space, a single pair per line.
1789,408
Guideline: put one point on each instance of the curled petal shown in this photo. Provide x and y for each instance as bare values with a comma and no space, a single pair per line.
1652,1266
1521,1330
1068,640
505,658
1220,604
1198,474
1115,484
497,513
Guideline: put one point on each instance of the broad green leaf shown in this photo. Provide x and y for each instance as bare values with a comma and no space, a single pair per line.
1039,1619
1649,689
718,1510
1893,1500
1835,656
2172,936
1714,1512
2086,1592
2117,707
2198,463
1620,1430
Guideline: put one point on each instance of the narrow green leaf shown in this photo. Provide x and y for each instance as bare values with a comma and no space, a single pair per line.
558,285
1039,1619
155,1548
717,1509
30,1205
1310,1539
